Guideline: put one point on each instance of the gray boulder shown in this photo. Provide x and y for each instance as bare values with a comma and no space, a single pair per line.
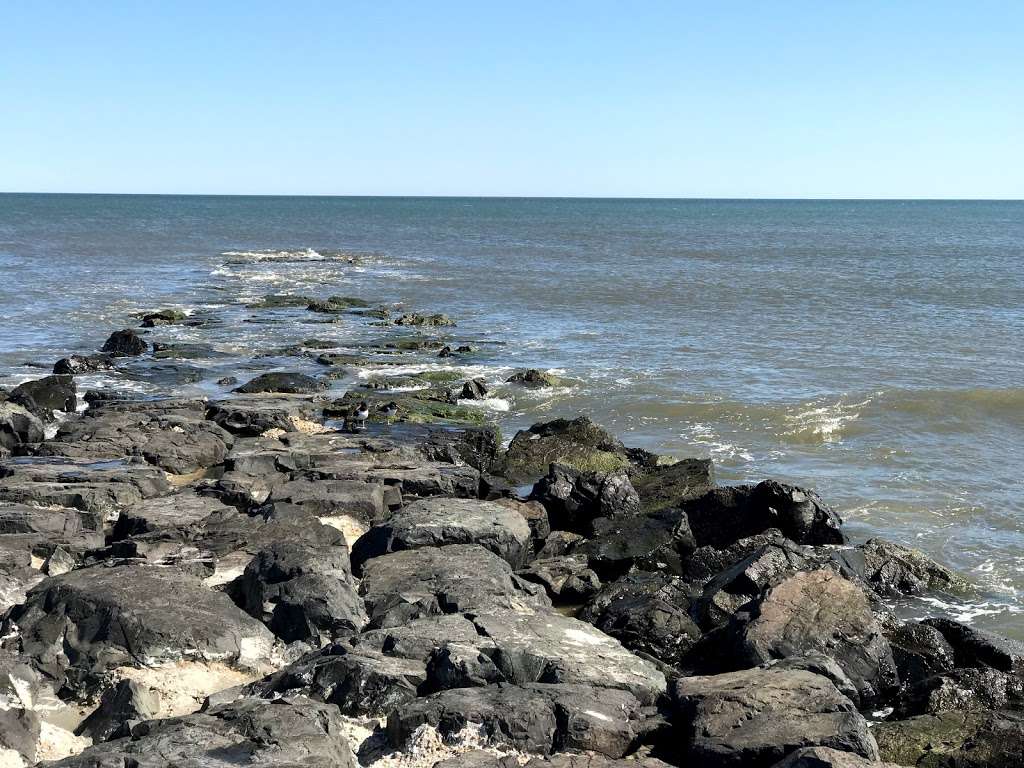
44,396
124,343
566,578
438,522
573,499
286,383
119,705
823,757
669,485
756,717
820,611
19,427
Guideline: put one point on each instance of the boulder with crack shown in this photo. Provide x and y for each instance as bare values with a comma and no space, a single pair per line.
573,499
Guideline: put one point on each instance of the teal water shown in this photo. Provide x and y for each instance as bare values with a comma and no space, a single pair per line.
871,350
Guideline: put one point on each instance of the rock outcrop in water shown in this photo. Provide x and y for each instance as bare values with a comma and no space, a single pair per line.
192,581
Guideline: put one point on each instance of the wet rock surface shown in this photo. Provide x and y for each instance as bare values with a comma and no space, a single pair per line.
405,589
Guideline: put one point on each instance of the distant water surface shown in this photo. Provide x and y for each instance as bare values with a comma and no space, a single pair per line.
870,350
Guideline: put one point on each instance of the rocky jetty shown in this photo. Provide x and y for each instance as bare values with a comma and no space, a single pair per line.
242,580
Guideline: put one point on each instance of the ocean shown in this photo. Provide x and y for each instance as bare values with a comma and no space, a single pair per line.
871,350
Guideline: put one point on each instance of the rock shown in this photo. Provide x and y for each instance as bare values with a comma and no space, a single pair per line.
707,562
446,351
415,319
19,427
534,514
300,592
100,487
954,740
579,444
44,396
253,415
282,733
175,510
920,652
162,317
476,446
336,304
532,377
756,717
566,579
823,757
474,389
19,734
648,613
74,365
431,581
893,570
537,719
281,301
120,704
164,376
360,682
58,561
362,501
227,381
552,648
419,639
749,577
42,531
670,485
559,543
428,406
660,541
820,611
170,434
978,648
184,351
724,515
439,522
573,498
78,627
125,343
287,383
962,689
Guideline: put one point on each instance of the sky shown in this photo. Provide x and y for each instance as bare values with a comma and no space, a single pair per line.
633,99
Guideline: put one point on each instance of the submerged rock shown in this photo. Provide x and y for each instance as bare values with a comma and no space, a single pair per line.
416,319
533,377
77,364
163,317
474,389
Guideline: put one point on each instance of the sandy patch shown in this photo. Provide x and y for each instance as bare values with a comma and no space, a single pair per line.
183,685
56,743
350,528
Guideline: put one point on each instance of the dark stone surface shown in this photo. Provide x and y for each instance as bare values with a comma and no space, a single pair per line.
975,647
671,484
44,396
119,705
286,383
573,499
125,343
954,740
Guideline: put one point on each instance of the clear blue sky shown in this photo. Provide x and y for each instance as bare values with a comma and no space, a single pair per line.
672,99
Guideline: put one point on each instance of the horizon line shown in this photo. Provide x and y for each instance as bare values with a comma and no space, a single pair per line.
531,197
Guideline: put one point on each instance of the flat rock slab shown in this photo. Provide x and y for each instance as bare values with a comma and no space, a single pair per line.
172,435
40,530
414,583
273,734
255,414
439,522
166,512
537,719
823,757
365,502
552,648
756,717
85,623
102,487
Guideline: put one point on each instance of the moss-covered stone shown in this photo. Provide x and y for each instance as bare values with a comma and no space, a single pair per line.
668,485
579,443
438,377
337,304
534,377
434,406
281,301
414,318
954,739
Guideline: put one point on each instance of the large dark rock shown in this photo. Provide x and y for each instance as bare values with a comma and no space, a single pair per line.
287,383
77,627
659,541
579,444
162,317
434,580
176,510
359,681
573,498
669,485
19,427
724,515
892,570
920,652
648,613
820,611
537,719
40,531
968,688
439,522
283,733
756,717
119,705
534,377
44,396
300,592
977,648
416,319
476,446
124,343
255,414
954,740
365,502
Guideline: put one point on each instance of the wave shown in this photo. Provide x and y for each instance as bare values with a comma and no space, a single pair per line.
302,254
